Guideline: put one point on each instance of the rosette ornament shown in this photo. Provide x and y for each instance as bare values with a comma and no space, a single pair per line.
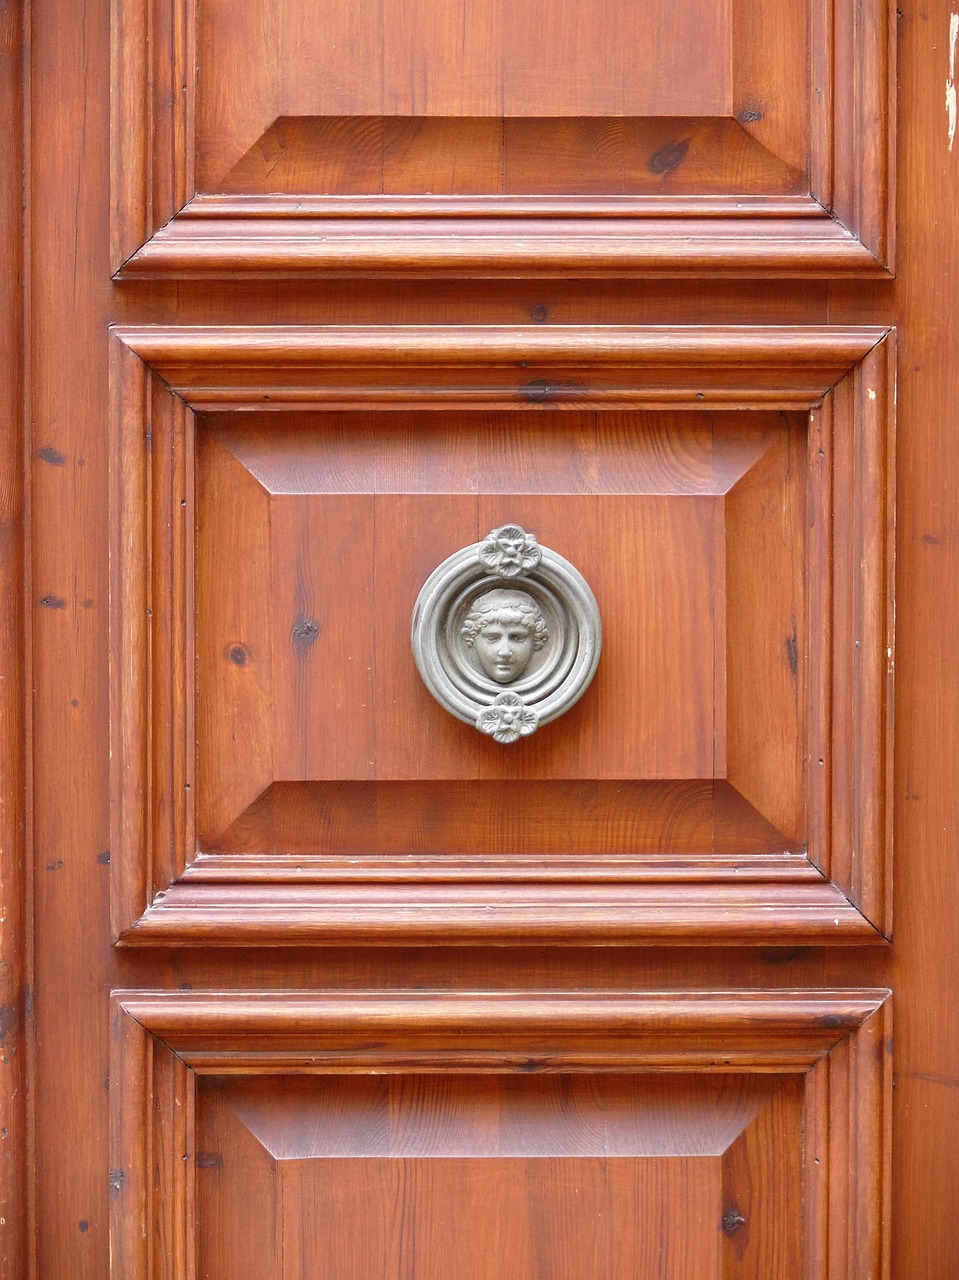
509,551
507,719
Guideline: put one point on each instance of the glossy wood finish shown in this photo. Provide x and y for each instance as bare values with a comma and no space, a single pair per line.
678,568
70,305
768,98
14,922
827,1051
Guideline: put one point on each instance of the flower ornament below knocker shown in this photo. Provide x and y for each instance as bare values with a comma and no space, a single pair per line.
507,719
506,612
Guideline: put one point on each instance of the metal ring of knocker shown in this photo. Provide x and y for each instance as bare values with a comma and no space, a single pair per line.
506,634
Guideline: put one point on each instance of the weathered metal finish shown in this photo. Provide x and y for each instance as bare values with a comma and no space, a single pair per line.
506,612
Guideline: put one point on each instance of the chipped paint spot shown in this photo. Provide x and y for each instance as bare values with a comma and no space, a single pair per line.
951,81
870,393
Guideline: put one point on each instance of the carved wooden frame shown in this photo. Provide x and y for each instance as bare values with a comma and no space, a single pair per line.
838,1040
841,892
161,227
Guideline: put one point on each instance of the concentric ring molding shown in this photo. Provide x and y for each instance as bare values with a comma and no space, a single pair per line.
538,696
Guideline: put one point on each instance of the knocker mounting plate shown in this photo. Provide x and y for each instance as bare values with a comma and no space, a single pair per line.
506,634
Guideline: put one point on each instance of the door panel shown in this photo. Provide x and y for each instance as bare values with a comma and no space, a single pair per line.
741,561
502,139
735,1108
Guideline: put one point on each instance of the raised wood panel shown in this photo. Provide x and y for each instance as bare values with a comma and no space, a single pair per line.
502,140
698,1134
286,783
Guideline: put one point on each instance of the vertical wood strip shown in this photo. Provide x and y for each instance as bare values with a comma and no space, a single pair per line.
862,635
863,122
132,130
129,638
819,623
13,885
131,1145
153,109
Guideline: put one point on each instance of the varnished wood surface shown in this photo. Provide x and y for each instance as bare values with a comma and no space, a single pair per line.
72,303
708,639
823,1065
14,876
822,118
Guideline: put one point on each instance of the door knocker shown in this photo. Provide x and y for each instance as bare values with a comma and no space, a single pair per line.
506,634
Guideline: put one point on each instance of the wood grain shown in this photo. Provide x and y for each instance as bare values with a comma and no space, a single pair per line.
323,1149
526,1154
825,128
521,277
539,156
619,822
260,237
234,643
791,907
681,567
526,59
15,906
323,1117
495,367
764,671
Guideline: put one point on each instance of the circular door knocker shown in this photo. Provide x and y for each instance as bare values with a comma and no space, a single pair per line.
506,634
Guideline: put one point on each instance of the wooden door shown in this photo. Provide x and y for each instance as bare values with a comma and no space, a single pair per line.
303,975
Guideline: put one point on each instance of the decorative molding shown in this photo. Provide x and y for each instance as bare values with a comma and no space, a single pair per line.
844,227
260,238
837,1042
164,892
153,102
499,367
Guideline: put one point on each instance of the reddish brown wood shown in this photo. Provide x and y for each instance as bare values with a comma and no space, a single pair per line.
69,217
283,1159
927,736
279,122
703,586
523,827
467,1124
14,881
536,156
495,367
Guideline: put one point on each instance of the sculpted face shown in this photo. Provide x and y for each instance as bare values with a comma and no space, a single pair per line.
505,628
504,647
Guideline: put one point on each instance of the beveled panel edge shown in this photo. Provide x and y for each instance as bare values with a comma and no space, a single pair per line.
232,368
161,1041
160,227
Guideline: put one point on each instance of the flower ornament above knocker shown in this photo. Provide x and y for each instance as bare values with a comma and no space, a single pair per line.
510,550
506,634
